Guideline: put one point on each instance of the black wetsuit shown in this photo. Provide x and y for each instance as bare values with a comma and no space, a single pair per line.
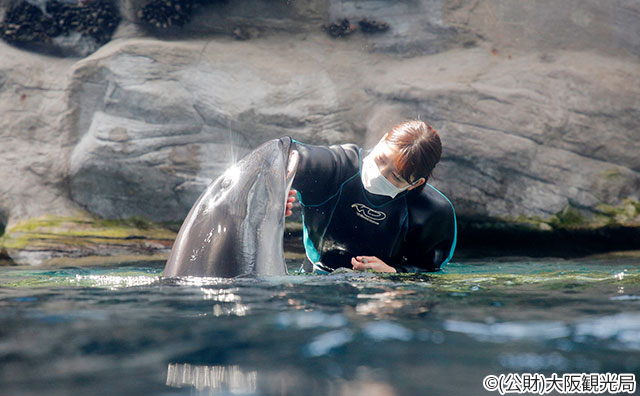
413,232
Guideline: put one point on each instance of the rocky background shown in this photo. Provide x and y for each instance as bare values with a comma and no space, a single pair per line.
126,110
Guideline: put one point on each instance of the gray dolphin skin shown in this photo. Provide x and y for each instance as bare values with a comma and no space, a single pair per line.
236,226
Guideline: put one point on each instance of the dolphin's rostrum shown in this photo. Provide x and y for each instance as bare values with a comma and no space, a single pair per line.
236,226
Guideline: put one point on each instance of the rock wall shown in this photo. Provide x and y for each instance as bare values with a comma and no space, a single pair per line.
537,104
33,136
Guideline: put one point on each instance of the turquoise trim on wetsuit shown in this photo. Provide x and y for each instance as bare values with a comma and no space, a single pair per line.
455,226
312,252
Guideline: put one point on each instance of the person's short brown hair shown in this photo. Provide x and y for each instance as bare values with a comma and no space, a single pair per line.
419,147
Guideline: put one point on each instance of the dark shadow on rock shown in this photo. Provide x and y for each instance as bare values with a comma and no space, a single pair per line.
494,239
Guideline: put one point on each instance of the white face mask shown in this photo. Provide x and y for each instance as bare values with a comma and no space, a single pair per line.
374,182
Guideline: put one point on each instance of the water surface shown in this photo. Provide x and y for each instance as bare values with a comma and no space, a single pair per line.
127,331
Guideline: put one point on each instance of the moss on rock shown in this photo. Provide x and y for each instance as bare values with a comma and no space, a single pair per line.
626,214
40,240
569,218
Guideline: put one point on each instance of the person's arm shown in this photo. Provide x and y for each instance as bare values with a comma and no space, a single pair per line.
319,170
431,237
428,261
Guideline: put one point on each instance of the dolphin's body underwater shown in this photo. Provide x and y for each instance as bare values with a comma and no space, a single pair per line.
236,226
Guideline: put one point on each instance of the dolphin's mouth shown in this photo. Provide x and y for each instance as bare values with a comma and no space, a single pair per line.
292,167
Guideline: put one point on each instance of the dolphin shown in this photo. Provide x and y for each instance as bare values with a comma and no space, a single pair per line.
236,226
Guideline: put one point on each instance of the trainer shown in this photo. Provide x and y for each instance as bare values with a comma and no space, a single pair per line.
374,209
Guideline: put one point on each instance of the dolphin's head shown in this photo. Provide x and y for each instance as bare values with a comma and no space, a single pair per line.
237,224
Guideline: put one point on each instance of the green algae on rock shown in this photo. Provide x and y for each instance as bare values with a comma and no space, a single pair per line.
627,213
49,239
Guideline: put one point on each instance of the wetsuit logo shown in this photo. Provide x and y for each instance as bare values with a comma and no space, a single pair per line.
370,215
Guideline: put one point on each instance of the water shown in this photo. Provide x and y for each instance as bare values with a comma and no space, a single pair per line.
126,331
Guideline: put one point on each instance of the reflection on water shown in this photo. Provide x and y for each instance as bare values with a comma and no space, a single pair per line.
390,302
218,379
234,380
229,302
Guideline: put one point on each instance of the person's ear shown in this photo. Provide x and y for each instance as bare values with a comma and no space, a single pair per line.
417,183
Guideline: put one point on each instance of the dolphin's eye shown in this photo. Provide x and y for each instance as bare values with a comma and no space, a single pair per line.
226,182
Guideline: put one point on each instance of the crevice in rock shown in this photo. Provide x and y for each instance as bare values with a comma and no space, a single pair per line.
3,221
5,259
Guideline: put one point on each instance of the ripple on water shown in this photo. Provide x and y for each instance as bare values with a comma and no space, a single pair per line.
620,331
309,320
625,297
387,330
623,329
507,331
327,342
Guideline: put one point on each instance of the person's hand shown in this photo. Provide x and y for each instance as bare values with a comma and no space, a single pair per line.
290,200
361,263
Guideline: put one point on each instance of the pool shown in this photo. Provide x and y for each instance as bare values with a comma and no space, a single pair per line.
126,331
